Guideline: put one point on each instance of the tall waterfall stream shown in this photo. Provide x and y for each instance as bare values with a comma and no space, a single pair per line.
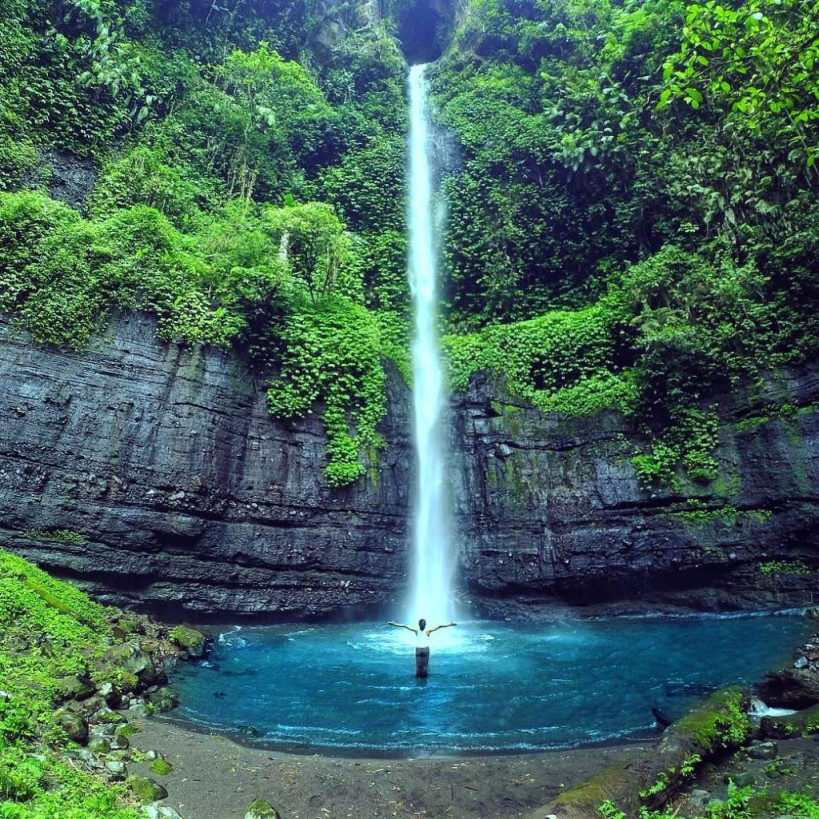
433,562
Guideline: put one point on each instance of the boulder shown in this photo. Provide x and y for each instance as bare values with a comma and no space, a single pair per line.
146,789
163,699
109,717
74,725
801,724
131,657
190,640
790,688
75,687
763,750
99,745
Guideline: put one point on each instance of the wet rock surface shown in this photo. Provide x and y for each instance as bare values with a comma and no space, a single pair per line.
156,475
551,512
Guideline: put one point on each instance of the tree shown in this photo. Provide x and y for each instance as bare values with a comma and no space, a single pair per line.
760,59
313,245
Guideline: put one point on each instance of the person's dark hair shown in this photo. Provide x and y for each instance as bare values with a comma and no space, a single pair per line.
422,624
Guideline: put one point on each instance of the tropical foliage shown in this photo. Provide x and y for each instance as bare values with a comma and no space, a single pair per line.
632,224
636,221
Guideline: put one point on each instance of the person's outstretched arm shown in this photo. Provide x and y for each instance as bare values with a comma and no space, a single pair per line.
443,625
401,625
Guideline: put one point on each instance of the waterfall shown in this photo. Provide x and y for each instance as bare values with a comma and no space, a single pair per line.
433,563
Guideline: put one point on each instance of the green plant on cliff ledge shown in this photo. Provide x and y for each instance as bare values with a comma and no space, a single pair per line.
795,568
332,359
688,441
279,282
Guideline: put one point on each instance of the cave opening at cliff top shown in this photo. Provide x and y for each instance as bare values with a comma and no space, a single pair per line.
424,28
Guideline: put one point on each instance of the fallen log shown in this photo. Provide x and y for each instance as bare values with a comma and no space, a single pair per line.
721,724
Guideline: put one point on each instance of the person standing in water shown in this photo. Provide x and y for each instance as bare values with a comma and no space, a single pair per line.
422,635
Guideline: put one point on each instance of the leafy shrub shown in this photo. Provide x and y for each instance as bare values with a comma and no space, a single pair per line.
332,357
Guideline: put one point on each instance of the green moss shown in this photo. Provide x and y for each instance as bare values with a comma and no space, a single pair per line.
595,791
721,722
794,568
188,639
160,767
728,515
66,633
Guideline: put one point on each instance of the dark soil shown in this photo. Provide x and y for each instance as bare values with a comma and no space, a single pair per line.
215,778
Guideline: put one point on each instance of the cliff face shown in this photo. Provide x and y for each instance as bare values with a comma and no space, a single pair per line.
169,485
551,511
157,475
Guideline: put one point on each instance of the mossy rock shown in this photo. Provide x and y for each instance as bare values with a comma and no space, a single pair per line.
74,726
584,799
161,767
165,699
190,640
108,717
131,658
75,687
801,724
99,745
262,810
145,789
720,723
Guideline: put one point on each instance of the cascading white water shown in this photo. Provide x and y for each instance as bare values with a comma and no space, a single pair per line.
433,563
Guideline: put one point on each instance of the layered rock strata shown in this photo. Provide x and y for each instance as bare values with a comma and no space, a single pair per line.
156,475
551,510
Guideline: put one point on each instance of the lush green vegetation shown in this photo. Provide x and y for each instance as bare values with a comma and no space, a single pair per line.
636,222
633,226
249,194
48,630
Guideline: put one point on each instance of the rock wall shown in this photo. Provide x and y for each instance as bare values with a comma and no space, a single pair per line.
156,475
551,512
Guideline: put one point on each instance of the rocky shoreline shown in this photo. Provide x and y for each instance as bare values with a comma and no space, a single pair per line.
725,747
742,750
100,720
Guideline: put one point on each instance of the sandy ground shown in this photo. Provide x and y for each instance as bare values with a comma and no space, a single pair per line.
215,778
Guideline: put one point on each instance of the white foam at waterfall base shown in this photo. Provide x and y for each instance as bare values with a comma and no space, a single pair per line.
433,562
